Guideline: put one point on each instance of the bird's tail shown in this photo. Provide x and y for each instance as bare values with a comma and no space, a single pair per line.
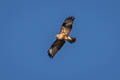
71,40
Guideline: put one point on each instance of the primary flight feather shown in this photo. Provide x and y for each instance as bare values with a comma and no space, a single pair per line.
62,37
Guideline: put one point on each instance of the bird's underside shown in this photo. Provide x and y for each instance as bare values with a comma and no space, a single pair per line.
62,37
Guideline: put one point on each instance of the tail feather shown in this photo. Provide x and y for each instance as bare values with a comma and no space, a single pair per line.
72,40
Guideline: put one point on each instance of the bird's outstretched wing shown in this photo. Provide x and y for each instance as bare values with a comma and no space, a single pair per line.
67,25
56,46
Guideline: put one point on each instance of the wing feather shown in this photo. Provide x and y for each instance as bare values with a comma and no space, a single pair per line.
55,47
67,25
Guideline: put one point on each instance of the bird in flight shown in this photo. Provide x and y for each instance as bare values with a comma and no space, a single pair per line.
62,37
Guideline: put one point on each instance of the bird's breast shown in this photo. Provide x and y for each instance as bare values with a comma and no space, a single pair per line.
60,36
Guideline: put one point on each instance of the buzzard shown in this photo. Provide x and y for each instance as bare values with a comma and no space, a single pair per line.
62,37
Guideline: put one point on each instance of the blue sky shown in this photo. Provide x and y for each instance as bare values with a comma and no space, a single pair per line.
28,27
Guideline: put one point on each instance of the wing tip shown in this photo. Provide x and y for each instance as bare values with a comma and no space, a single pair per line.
68,21
49,54
70,17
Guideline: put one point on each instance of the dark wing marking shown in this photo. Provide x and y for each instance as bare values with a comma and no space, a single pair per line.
67,25
56,46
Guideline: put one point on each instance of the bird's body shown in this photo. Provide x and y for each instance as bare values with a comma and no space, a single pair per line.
62,36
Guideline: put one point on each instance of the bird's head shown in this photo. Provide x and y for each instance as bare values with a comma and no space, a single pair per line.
57,35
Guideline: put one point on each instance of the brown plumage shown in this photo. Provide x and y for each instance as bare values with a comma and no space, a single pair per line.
62,37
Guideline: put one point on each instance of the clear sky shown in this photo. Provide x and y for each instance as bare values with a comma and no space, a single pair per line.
28,27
